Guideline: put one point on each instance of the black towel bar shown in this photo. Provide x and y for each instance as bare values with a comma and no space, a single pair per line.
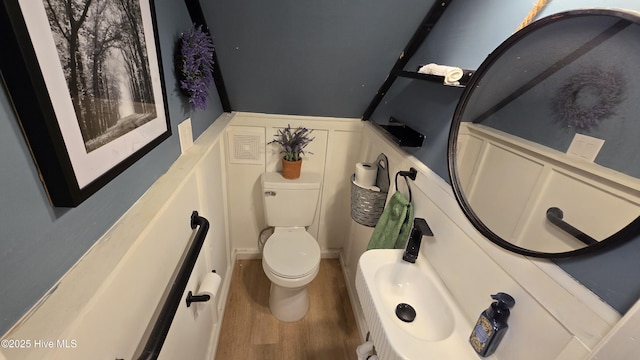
555,215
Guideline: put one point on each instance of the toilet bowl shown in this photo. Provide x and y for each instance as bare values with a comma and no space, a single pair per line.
291,256
291,260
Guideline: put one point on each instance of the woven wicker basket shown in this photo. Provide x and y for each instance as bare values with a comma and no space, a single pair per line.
366,205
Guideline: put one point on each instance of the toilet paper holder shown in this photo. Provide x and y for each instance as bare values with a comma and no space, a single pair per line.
197,298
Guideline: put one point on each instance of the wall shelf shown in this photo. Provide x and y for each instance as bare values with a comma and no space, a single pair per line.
414,44
402,134
435,78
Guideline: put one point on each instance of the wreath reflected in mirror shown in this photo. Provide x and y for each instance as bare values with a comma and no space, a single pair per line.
588,98
194,65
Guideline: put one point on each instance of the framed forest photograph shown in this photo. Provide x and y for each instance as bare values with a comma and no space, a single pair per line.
85,80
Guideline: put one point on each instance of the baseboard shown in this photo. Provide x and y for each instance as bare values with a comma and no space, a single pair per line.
221,307
255,254
246,254
363,329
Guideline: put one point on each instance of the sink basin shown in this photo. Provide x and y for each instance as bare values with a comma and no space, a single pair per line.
437,329
404,283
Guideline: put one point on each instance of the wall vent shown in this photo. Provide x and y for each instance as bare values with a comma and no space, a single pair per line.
246,145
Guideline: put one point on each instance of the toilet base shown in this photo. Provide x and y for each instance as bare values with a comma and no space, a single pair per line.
288,304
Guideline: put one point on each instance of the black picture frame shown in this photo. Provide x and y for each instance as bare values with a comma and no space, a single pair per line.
73,159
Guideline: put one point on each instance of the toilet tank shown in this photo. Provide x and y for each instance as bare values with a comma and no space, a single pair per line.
290,203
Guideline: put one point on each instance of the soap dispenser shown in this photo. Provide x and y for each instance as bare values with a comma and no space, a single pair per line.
492,325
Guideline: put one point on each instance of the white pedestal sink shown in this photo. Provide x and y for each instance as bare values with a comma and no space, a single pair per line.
439,330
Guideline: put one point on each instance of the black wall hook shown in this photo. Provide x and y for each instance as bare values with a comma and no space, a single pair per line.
411,174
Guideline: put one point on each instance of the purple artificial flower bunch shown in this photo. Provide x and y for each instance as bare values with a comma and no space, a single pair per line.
293,142
195,65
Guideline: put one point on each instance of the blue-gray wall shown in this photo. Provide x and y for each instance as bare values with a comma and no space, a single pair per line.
38,243
464,36
325,58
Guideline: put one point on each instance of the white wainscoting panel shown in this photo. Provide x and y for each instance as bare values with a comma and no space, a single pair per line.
103,306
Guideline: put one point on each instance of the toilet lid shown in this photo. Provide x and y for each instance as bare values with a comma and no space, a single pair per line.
291,254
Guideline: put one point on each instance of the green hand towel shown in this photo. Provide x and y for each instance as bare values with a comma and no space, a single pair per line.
392,229
406,228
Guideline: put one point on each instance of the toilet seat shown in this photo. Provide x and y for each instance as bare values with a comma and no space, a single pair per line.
291,253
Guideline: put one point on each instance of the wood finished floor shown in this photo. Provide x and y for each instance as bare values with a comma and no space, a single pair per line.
249,331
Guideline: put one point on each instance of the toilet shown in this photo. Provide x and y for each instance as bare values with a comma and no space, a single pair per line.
291,256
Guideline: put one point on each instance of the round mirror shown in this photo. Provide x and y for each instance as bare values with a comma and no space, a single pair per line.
544,148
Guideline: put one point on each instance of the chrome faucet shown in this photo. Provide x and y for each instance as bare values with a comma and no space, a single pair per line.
420,228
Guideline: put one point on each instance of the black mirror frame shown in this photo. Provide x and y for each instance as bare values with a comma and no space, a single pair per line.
630,231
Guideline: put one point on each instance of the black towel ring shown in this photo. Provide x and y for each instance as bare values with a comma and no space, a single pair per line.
407,174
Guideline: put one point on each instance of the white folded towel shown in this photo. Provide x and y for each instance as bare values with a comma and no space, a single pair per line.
451,74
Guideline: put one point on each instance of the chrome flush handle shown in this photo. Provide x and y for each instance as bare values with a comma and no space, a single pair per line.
269,193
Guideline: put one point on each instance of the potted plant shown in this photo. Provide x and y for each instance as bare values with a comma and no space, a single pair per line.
194,65
292,143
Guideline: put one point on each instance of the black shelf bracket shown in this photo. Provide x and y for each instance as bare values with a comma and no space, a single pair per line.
427,24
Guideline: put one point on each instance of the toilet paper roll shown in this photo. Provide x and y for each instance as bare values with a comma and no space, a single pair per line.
209,285
372,187
366,174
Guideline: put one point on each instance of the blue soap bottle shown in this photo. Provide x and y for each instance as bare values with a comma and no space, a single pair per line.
492,325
